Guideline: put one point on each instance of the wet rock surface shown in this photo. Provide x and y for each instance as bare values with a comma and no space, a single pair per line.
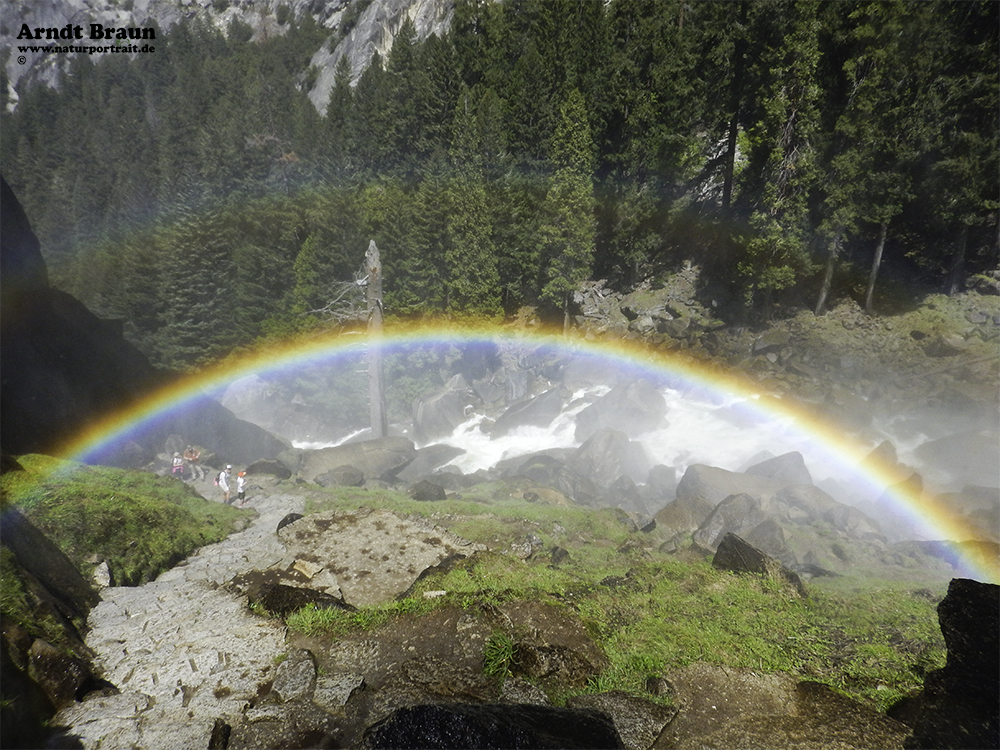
725,708
960,704
511,726
370,556
183,651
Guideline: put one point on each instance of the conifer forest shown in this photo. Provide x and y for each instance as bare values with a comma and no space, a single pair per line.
796,151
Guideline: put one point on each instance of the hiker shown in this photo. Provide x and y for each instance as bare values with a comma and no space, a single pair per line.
178,467
241,488
223,482
191,455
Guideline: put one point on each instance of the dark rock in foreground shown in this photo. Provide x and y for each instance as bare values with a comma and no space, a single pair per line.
38,678
961,702
492,726
283,600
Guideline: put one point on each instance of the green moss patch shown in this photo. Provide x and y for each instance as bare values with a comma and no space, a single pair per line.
140,523
651,612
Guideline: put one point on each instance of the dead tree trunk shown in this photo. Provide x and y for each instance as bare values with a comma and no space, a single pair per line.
876,262
736,97
376,385
831,263
956,274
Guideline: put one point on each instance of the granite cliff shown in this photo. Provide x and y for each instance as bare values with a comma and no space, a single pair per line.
357,28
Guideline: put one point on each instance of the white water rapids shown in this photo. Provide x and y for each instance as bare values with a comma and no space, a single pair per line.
729,432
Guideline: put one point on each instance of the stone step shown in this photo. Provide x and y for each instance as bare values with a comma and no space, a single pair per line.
183,650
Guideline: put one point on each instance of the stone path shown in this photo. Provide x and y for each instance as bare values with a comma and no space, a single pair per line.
183,650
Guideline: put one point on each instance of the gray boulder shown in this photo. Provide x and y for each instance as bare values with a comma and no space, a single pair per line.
377,459
427,460
295,678
607,455
269,467
537,465
438,416
543,467
535,412
737,514
342,476
789,468
702,488
426,491
635,407
662,482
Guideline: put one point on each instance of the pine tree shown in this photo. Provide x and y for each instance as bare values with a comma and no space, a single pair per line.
335,144
567,231
473,279
965,169
782,165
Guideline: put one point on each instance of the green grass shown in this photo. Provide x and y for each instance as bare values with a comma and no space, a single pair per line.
142,524
872,640
498,655
16,607
336,623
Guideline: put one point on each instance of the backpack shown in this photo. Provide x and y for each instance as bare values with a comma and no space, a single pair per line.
217,478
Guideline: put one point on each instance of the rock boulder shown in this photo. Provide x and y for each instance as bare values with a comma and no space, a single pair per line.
376,459
960,705
535,412
492,726
737,555
634,408
373,555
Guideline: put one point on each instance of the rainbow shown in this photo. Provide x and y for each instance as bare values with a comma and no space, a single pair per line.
924,512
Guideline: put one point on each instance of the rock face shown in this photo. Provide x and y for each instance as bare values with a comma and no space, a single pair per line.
961,702
36,678
372,556
63,366
497,726
375,31
356,37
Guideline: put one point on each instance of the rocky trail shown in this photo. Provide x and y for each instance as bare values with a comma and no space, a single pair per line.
183,650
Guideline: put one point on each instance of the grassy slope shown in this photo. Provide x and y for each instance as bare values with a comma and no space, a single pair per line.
142,524
651,611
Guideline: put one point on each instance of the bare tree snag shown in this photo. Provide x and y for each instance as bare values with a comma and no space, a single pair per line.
376,385
876,262
831,262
